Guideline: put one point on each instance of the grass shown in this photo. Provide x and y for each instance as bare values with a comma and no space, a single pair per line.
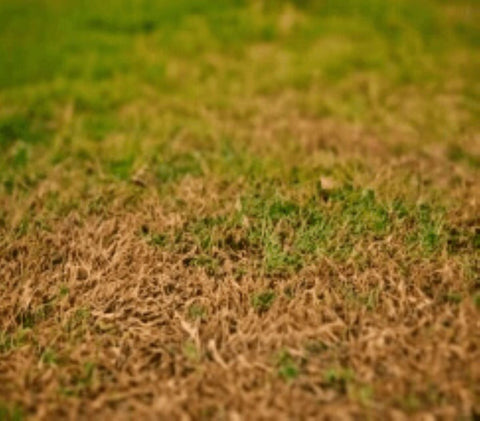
263,301
287,367
187,188
10,413
287,234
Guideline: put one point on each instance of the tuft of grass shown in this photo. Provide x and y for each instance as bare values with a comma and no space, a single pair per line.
49,357
476,300
262,301
10,412
339,378
410,403
81,381
153,238
197,312
11,341
430,228
88,374
288,369
63,291
363,394
191,352
476,239
454,297
29,318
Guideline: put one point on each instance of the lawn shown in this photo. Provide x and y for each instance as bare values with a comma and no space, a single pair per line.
239,209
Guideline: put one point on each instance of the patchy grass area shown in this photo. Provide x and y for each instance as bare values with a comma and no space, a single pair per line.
239,209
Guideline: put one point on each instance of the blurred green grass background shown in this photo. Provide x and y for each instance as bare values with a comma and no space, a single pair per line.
385,65
44,40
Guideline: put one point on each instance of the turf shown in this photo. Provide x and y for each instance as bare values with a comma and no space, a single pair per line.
239,209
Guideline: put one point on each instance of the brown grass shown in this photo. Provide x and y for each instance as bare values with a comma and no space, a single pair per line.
241,210
118,328
97,322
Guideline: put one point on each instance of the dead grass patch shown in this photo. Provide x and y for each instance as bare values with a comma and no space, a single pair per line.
98,321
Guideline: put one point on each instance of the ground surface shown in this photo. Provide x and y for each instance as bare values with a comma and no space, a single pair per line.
239,209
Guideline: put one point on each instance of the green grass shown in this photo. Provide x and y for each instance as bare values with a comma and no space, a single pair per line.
10,412
288,368
80,382
270,135
11,341
285,234
262,301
